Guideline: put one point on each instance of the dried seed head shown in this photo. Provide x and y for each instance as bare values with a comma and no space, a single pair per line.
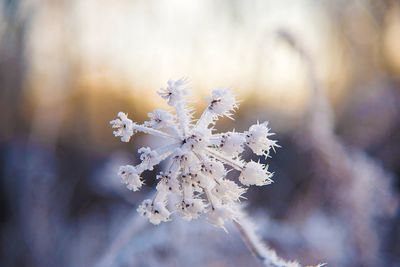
197,159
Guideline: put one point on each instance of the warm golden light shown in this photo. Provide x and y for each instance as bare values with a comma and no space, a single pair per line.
138,45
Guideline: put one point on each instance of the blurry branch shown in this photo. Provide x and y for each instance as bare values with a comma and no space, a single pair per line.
319,109
134,224
358,188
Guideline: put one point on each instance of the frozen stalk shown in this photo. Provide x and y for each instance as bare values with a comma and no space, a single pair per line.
264,254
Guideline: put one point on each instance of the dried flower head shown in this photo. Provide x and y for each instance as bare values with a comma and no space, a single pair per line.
198,158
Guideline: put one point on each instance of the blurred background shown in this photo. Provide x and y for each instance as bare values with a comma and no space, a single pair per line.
325,74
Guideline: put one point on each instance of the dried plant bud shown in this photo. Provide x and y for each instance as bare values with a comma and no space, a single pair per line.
191,208
174,92
228,191
130,176
156,212
255,174
149,158
257,138
222,102
232,143
159,119
123,127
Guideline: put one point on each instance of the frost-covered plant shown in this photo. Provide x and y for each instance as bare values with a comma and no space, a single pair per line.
199,158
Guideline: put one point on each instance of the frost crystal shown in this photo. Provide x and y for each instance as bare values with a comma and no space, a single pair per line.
222,102
123,127
159,119
130,177
255,174
198,159
257,139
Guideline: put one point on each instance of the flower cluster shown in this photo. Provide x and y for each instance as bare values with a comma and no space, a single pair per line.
198,159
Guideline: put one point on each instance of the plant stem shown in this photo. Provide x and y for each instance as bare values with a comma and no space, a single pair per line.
250,245
265,255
